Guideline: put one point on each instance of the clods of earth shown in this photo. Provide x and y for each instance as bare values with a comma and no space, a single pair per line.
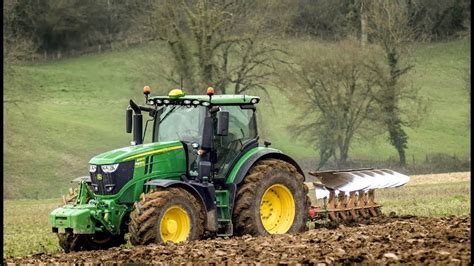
380,240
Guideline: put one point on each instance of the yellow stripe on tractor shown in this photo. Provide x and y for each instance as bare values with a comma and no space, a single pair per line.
153,152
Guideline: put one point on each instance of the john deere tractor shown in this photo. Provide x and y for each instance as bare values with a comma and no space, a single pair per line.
202,172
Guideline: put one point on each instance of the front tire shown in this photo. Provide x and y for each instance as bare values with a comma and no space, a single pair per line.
82,242
272,199
166,215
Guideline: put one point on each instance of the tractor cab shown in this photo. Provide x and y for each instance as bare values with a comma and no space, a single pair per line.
214,129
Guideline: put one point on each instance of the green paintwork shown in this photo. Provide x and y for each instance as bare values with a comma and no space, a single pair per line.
215,99
105,212
231,178
87,218
76,217
121,155
223,208
167,164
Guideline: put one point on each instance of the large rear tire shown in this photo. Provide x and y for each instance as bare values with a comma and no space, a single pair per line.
272,199
81,242
166,215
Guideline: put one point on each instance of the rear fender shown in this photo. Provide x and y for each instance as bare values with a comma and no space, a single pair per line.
205,193
248,160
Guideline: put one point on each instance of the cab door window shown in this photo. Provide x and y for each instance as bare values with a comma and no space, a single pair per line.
242,128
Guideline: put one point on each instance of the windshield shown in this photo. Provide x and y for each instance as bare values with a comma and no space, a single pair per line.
180,122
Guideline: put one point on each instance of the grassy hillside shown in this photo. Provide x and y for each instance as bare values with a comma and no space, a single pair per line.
64,112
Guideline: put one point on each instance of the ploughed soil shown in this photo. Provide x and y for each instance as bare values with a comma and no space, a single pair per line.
380,240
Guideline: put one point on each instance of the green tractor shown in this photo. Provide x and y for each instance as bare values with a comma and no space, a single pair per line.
202,173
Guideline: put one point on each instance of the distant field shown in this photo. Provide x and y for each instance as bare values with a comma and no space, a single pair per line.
27,229
430,195
64,112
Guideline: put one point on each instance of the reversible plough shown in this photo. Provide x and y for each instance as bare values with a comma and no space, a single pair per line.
347,195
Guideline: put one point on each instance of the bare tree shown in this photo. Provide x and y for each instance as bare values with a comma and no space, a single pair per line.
337,90
226,44
389,26
363,23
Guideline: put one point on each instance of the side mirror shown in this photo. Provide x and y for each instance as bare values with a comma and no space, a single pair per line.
128,118
222,123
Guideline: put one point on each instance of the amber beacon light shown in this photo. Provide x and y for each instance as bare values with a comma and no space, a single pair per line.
210,91
146,90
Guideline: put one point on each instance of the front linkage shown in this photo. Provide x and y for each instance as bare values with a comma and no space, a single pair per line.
89,215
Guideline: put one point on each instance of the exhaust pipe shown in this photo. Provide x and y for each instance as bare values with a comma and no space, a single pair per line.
137,123
128,118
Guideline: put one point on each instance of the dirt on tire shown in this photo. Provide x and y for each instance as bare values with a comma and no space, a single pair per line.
144,225
246,213
381,240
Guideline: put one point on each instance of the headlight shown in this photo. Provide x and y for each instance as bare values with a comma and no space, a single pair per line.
109,188
92,168
205,103
109,168
166,101
196,102
187,101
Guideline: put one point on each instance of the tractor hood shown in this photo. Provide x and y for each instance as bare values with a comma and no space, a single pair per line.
134,152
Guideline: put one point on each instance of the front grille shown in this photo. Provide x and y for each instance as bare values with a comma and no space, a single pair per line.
111,183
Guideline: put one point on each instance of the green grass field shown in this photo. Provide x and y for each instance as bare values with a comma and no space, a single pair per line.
66,111
27,229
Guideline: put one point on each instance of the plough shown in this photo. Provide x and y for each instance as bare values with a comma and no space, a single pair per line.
349,194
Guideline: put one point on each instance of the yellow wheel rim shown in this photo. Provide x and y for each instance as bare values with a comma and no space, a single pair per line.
277,209
175,225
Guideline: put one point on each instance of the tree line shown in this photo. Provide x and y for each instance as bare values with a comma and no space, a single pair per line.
65,25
